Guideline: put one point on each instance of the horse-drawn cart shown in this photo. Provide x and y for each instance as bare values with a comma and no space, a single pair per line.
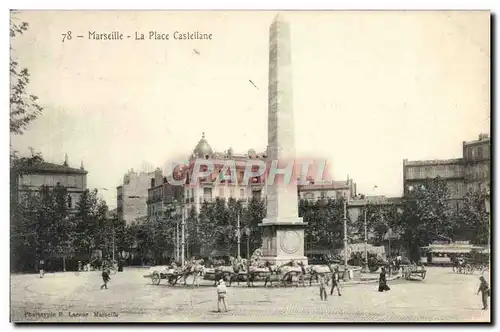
409,271
166,273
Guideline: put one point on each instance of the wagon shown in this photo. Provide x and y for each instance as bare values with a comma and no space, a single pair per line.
171,275
409,271
292,276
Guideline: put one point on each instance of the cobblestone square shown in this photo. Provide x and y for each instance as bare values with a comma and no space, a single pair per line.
65,297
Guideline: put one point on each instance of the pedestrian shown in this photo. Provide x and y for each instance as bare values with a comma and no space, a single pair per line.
42,272
484,288
335,280
221,295
106,278
382,282
322,287
79,267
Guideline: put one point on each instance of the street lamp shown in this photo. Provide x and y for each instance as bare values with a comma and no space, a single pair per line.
247,232
345,236
365,264
487,207
238,236
180,209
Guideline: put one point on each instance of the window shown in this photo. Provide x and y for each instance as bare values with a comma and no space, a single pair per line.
323,194
480,152
242,193
231,192
70,203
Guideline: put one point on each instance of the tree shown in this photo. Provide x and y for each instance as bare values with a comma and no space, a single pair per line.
23,234
62,227
427,215
41,228
123,236
325,219
379,219
474,218
252,215
89,218
24,107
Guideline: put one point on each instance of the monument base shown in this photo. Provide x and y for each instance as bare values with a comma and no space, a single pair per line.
279,260
283,241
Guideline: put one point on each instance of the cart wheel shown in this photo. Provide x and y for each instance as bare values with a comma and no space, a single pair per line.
155,278
423,275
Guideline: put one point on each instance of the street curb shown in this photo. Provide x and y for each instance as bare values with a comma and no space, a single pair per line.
371,281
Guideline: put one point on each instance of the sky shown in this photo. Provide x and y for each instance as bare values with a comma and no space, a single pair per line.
369,88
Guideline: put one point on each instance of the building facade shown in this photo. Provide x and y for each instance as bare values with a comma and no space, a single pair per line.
51,175
332,189
469,173
193,194
132,196
477,161
162,194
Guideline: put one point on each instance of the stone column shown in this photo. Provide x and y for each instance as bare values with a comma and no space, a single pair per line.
283,230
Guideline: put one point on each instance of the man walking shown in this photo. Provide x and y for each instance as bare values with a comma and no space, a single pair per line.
42,272
484,288
105,277
335,280
322,287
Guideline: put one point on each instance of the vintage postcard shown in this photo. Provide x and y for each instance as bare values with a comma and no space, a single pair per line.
250,166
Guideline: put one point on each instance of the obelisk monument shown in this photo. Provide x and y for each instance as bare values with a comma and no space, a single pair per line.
283,230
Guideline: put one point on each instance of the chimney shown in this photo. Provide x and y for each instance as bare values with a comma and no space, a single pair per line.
65,159
81,166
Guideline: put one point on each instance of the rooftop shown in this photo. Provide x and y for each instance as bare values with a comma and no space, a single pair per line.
434,162
331,185
47,167
483,138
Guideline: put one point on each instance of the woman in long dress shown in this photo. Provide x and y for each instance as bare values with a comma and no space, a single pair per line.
382,282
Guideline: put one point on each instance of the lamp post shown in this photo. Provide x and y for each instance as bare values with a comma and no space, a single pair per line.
113,221
345,234
238,235
247,234
177,241
365,265
183,244
487,208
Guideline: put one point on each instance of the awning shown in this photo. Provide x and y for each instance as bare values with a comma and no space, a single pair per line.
481,250
448,250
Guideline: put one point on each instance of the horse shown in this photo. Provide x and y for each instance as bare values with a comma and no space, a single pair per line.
238,265
223,272
274,270
290,270
254,269
194,268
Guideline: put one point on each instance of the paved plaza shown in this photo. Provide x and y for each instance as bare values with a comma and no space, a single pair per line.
442,297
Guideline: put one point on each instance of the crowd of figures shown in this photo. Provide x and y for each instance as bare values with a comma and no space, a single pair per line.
237,269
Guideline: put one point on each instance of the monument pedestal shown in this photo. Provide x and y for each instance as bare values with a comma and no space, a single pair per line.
283,241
